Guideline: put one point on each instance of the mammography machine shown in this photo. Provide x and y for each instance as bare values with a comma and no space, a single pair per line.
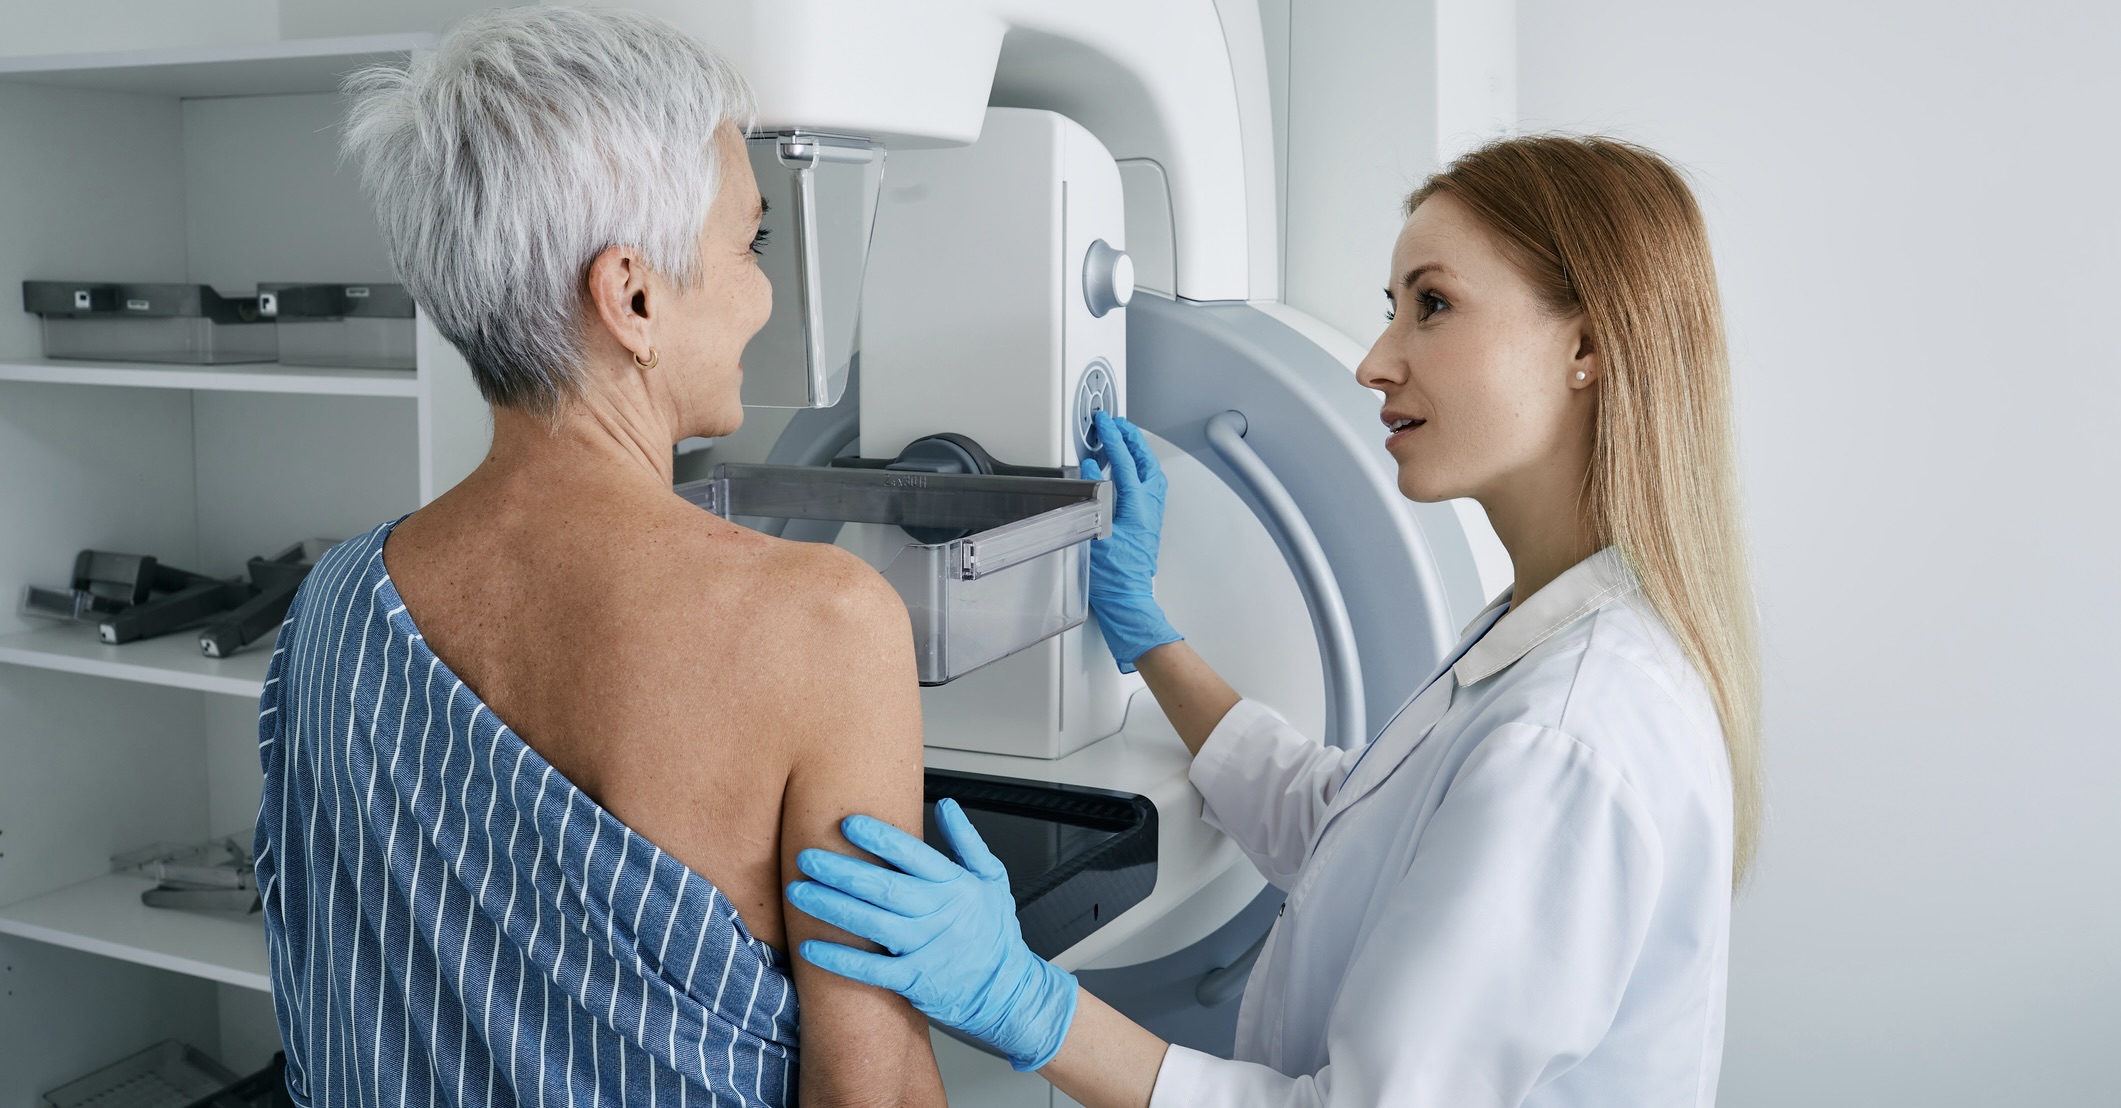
994,217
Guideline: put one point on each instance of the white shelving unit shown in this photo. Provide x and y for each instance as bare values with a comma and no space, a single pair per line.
296,380
216,165
172,661
103,915
196,72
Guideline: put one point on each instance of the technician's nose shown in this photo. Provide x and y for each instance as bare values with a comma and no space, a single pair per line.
1382,368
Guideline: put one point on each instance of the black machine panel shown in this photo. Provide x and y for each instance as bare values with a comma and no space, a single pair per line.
1077,856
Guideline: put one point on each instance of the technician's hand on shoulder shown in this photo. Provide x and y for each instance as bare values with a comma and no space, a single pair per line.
956,951
1123,566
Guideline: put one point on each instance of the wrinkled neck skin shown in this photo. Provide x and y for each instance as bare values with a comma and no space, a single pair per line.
618,428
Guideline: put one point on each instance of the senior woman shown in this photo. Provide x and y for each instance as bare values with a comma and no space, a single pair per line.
539,757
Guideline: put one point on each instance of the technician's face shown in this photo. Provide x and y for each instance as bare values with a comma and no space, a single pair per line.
717,316
1476,375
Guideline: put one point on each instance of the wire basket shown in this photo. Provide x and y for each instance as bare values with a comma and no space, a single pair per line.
166,1075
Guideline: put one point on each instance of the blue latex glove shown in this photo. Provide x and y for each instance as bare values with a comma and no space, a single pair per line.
956,950
1123,566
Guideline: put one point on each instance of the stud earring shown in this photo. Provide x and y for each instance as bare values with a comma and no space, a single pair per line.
1581,375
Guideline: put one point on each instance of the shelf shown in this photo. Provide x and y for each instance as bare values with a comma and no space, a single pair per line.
261,377
172,660
104,916
243,69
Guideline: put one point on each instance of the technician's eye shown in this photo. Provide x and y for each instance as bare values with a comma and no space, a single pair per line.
1391,309
758,241
1430,303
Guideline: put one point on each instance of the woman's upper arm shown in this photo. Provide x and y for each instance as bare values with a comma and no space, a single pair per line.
859,709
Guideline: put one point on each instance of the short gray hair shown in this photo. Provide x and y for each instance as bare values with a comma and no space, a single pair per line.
532,139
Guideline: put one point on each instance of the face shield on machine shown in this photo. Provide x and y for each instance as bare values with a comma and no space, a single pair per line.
820,193
948,321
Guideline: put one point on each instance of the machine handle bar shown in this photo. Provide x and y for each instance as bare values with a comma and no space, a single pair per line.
1345,724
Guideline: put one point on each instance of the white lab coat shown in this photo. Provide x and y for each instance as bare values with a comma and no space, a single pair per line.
1519,896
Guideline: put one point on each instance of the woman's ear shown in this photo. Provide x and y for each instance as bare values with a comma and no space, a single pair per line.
619,292
1583,366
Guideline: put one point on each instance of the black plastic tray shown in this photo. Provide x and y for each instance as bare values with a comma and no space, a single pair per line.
1077,856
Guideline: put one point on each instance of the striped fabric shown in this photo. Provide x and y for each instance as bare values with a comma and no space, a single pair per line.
451,922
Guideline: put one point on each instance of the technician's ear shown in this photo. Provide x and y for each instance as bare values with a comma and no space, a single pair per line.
622,298
1583,366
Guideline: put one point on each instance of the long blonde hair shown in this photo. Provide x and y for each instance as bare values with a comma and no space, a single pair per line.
1610,230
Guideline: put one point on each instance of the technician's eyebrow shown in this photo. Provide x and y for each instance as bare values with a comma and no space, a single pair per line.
1415,273
764,207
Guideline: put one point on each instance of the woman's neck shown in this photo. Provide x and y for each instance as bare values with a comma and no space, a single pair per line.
1545,531
597,435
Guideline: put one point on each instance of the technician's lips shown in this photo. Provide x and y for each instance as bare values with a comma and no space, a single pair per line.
1399,425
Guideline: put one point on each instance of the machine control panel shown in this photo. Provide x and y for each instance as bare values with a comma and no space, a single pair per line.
1095,393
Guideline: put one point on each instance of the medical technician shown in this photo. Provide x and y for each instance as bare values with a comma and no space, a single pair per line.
1519,892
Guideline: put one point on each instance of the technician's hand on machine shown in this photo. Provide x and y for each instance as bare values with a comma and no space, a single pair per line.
1123,567
956,950
1122,578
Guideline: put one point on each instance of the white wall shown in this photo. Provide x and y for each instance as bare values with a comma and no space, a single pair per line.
53,27
266,197
57,27
1913,205
318,18
1369,98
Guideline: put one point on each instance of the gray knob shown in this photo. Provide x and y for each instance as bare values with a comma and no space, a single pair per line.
1108,278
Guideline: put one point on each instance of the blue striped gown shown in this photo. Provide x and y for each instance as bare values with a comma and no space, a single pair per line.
451,922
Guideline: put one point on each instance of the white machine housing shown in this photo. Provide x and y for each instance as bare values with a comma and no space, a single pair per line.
1181,84
976,321
995,235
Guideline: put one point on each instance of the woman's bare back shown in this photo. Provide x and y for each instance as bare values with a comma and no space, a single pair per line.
727,695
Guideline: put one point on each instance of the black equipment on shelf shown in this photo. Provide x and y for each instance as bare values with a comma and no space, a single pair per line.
342,325
275,580
103,584
128,597
200,598
188,324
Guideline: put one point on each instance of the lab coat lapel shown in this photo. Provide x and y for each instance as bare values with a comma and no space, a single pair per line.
1405,731
1400,737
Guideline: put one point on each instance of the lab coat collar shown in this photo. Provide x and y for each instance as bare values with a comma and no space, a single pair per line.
1583,588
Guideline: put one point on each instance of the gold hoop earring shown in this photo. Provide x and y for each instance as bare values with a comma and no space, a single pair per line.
653,358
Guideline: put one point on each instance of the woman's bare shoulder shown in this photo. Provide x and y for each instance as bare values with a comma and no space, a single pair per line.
806,602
